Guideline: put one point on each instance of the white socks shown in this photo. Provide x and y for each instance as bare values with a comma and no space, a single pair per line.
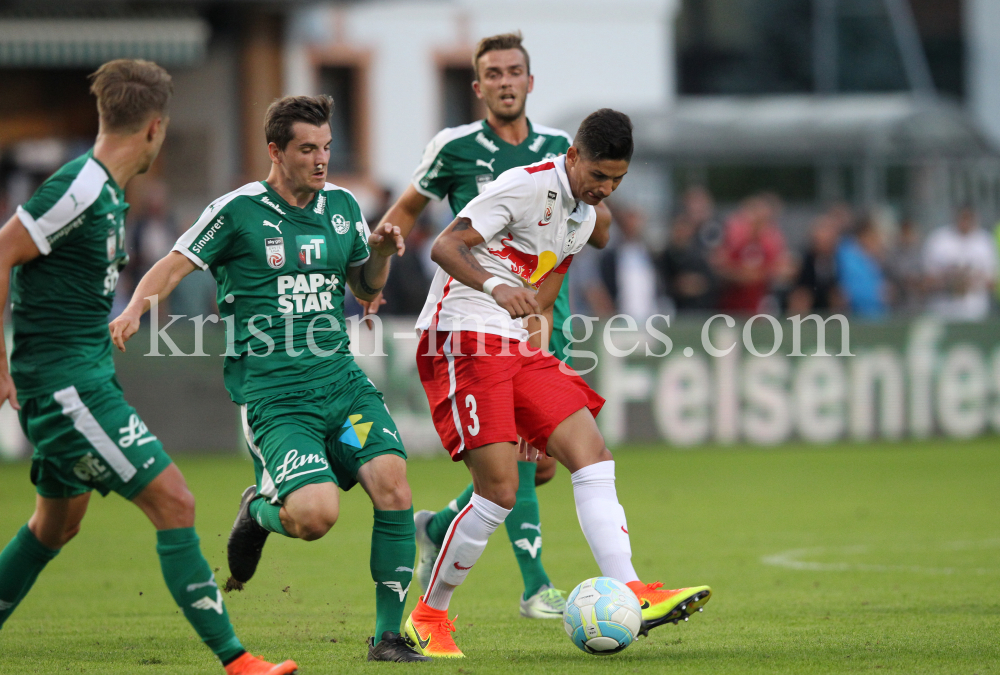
464,542
602,520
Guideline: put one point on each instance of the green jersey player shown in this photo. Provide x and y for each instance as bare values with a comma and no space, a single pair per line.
67,244
281,251
458,164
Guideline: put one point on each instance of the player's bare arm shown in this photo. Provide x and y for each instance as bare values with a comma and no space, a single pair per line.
540,326
452,250
16,248
404,213
159,281
602,230
366,281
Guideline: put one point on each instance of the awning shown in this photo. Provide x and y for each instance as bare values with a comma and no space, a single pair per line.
795,128
42,43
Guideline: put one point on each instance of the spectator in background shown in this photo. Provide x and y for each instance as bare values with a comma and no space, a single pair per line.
627,269
817,287
411,276
752,255
859,265
904,269
699,211
684,265
960,263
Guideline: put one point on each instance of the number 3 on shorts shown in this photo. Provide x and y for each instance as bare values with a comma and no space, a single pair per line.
470,405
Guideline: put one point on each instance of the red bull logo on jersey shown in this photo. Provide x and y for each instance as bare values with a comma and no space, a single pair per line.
532,268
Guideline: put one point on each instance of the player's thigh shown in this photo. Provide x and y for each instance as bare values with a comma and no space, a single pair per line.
577,442
494,472
468,382
545,395
90,438
167,501
361,430
286,435
56,521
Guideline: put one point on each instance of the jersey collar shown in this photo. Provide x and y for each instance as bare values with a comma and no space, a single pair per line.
492,135
272,193
111,179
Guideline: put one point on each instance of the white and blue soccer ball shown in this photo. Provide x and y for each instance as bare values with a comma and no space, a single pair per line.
602,616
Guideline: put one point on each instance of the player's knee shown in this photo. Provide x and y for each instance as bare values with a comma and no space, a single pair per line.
501,494
180,502
315,522
545,472
397,498
68,534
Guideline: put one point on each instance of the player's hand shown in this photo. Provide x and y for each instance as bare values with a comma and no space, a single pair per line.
518,301
8,392
123,328
387,240
528,453
372,306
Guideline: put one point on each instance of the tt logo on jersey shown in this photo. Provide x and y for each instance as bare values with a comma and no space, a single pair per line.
268,223
303,293
295,465
488,165
312,249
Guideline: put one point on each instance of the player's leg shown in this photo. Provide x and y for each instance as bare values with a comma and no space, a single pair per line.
365,447
495,477
577,444
296,492
51,526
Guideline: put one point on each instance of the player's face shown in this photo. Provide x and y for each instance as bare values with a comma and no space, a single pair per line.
504,83
593,181
306,158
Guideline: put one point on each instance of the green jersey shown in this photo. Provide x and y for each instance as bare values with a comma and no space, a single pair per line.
460,162
61,300
281,272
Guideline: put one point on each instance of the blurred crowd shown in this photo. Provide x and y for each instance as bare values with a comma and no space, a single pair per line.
859,264
864,265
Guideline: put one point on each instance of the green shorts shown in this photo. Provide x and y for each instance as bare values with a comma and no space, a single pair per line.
317,436
89,439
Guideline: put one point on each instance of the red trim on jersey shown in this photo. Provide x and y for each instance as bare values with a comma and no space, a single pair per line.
564,266
540,167
444,549
444,294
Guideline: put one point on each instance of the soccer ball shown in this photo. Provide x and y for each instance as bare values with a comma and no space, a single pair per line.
602,616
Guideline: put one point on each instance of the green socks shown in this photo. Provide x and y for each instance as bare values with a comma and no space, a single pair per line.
193,586
268,515
20,563
439,524
393,549
524,528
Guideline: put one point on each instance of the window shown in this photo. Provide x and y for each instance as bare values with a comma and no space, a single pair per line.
342,83
459,104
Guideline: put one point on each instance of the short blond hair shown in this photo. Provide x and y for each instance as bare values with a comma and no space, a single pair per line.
496,43
128,92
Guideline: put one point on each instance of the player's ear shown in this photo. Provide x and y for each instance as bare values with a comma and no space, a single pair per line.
274,153
153,128
475,88
531,83
571,156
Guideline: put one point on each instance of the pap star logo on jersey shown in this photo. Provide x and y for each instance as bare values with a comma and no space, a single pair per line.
274,252
303,293
265,200
311,248
536,144
340,224
485,142
532,268
356,431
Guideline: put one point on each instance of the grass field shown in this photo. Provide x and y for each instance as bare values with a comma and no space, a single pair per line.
843,559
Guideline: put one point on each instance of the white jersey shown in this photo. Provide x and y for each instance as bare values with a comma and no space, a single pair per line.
532,226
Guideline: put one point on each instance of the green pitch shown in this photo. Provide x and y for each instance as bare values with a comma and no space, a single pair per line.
852,558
